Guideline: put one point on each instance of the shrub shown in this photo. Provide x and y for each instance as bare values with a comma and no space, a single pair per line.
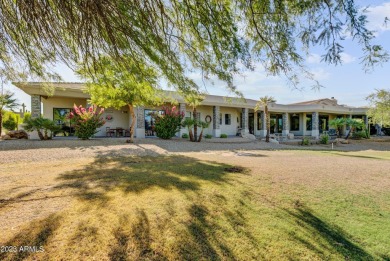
208,136
223,136
86,121
324,139
185,136
169,123
189,123
359,135
39,124
10,124
27,116
305,141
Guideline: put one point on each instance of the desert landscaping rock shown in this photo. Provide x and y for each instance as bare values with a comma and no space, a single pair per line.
6,137
18,134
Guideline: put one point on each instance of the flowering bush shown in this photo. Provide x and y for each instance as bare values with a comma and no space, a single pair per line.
86,121
167,124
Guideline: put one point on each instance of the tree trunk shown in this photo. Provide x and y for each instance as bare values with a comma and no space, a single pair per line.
40,135
191,134
349,133
132,125
195,125
268,123
1,122
200,135
339,131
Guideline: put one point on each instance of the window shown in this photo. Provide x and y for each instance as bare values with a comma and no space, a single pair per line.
294,122
309,120
188,115
276,123
60,119
228,119
323,123
259,122
198,116
220,119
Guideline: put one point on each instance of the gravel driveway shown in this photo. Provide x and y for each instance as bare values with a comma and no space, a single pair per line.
35,150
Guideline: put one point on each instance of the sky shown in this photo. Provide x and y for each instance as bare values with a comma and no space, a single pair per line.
348,83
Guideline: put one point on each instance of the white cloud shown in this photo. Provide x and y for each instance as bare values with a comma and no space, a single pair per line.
313,58
376,16
347,58
320,74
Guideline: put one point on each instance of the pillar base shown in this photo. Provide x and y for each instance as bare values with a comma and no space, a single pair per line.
217,133
140,133
33,135
263,133
315,133
182,131
285,132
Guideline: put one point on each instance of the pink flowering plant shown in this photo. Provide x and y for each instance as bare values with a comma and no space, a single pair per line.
86,121
167,124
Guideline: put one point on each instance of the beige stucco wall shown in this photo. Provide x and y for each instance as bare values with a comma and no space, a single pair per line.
120,119
59,102
232,128
208,111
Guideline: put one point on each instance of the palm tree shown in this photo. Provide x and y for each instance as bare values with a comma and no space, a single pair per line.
6,102
189,123
353,124
194,99
204,125
338,123
264,102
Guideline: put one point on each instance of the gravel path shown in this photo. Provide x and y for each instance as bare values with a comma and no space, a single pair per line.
35,150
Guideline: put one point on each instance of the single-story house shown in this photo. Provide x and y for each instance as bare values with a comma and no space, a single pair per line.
226,115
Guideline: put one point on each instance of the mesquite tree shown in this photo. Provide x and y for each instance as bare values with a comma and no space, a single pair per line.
116,86
216,37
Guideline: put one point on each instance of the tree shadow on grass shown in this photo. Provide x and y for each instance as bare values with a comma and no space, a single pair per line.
133,241
330,237
32,239
203,239
138,174
347,154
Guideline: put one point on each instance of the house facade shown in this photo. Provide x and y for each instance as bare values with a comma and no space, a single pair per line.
226,115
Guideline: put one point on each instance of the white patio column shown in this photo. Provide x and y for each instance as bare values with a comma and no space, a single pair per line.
216,120
304,127
35,106
315,132
140,128
286,124
182,109
263,131
244,120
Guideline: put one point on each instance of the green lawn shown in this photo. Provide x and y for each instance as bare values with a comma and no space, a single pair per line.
185,208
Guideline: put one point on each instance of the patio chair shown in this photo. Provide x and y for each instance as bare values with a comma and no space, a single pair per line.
109,132
119,131
127,132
